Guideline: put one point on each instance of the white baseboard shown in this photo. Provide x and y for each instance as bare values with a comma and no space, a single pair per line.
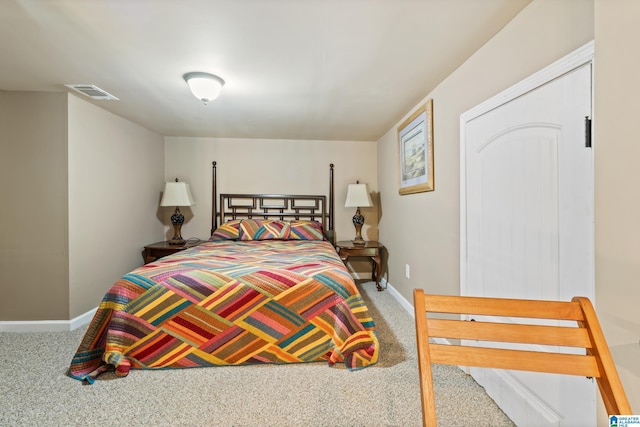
402,300
47,325
82,320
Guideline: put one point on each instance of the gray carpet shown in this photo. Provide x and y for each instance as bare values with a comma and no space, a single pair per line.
35,391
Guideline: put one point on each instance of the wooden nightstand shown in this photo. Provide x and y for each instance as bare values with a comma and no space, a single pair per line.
159,249
370,249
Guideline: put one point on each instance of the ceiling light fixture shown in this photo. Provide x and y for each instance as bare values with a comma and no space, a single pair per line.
204,86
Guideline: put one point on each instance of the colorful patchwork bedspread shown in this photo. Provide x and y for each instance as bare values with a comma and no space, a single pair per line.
231,303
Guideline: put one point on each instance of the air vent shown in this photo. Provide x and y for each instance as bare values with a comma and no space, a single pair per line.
93,92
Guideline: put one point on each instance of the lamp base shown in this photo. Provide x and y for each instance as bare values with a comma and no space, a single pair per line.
358,221
358,242
177,219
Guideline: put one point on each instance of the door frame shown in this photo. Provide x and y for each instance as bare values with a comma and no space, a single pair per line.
576,59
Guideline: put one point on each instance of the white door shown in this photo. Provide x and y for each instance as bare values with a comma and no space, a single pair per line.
528,225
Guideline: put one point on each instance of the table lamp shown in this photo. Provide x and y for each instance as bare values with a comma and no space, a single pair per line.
358,197
177,194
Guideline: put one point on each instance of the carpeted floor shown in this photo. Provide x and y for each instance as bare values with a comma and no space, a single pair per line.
35,391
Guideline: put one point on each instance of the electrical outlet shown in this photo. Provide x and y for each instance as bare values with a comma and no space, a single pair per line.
407,271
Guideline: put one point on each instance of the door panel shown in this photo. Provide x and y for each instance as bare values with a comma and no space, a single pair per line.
529,228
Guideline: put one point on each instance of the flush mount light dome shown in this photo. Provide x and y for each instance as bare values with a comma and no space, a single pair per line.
204,86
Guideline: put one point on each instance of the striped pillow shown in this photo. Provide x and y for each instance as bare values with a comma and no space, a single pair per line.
264,229
228,231
306,230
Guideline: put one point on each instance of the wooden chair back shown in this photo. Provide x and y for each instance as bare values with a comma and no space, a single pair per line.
596,361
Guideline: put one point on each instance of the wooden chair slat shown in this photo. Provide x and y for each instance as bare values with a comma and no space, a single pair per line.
554,363
504,332
534,309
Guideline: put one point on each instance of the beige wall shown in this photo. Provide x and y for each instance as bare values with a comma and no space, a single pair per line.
33,184
617,91
271,166
84,187
116,175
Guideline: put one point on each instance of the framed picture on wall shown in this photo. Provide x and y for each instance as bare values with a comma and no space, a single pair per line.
415,151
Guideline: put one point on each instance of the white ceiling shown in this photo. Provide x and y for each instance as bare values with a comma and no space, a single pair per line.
294,69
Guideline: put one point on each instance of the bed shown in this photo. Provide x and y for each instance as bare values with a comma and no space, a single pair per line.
267,287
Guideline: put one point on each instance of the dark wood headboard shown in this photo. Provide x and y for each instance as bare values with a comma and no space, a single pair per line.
226,207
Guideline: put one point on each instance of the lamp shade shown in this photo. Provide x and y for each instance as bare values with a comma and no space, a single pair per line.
177,194
204,86
358,196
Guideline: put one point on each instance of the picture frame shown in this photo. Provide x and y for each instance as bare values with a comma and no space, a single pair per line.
415,152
